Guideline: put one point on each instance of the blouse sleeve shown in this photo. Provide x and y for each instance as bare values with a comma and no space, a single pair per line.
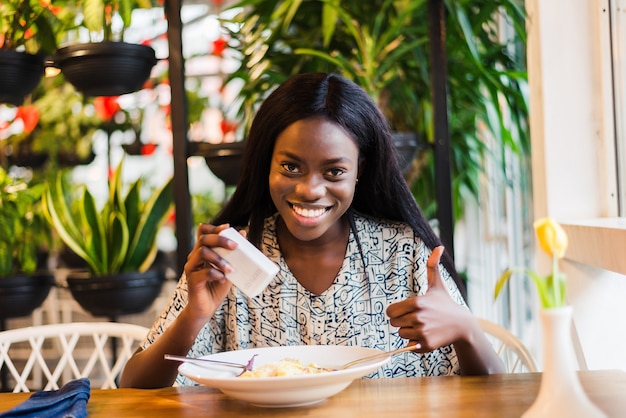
175,305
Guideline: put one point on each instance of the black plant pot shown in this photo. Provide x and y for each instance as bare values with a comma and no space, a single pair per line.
70,159
105,68
115,294
20,73
28,159
224,160
20,295
407,144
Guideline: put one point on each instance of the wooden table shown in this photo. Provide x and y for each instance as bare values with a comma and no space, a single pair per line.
485,396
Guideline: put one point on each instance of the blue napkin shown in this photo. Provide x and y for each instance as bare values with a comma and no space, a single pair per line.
68,402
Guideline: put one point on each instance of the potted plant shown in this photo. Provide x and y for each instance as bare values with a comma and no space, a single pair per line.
117,242
56,128
24,237
106,65
29,32
383,45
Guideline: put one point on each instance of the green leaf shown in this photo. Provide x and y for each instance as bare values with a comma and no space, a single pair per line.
95,226
58,213
504,278
27,257
125,10
329,19
117,243
93,15
133,206
142,249
6,259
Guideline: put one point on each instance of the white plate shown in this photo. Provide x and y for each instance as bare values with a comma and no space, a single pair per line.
288,390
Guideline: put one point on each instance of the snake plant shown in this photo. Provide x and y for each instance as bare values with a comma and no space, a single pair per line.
121,236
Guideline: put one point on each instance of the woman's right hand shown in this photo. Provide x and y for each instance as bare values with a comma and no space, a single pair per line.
207,287
206,272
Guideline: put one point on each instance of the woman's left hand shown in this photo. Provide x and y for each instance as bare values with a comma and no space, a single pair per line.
434,319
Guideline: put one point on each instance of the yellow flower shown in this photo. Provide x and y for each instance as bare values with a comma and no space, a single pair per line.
552,238
551,289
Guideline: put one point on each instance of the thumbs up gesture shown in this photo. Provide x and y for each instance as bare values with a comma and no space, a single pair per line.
431,320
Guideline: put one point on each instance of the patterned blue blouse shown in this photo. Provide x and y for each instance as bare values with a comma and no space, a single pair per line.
350,312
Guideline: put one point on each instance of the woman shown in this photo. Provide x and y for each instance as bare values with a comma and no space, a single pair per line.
322,195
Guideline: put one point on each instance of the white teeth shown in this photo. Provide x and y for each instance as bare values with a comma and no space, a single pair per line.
309,213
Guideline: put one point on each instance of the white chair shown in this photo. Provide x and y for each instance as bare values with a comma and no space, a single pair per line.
67,351
514,354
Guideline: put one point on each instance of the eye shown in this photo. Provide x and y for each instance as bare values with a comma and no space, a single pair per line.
290,167
335,172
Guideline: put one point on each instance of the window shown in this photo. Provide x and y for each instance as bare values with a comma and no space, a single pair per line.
617,12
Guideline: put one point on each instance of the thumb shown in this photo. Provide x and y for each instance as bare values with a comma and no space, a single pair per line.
434,275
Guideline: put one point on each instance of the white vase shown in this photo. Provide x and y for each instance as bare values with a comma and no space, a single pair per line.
560,392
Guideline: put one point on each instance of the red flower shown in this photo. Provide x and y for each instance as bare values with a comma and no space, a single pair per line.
148,84
172,217
218,46
29,33
228,126
30,117
47,4
106,107
148,149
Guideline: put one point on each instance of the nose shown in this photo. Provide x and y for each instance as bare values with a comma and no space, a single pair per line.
311,187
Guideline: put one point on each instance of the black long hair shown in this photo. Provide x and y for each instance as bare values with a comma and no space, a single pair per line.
381,191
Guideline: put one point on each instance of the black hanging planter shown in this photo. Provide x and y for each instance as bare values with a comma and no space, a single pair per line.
105,68
115,294
21,294
224,159
24,158
72,159
407,144
20,73
23,155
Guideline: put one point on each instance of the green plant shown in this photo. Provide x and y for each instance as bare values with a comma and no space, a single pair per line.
99,16
24,232
383,45
121,236
34,25
204,207
58,122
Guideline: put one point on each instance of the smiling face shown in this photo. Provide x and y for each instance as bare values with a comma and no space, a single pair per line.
313,174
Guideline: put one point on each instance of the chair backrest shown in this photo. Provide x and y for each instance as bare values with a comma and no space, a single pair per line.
514,354
62,352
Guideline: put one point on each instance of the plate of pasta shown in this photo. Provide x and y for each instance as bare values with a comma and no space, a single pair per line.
284,376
